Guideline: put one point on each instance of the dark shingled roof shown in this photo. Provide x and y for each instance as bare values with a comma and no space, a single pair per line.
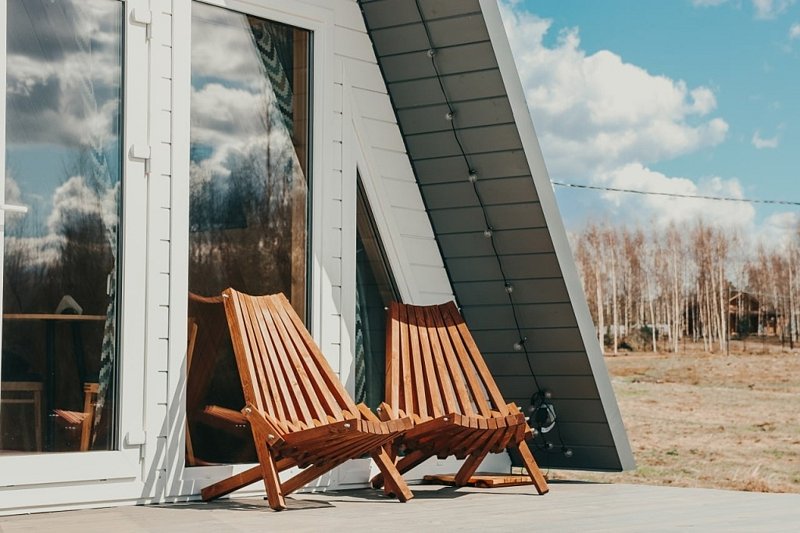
493,125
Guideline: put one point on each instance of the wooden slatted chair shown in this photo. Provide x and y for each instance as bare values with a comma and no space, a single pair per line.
436,374
299,413
83,420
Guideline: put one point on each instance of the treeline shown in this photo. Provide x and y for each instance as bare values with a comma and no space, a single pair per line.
656,289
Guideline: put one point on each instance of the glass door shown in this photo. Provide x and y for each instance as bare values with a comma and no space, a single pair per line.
62,196
248,203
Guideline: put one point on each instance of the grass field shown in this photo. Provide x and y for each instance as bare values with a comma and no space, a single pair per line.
704,420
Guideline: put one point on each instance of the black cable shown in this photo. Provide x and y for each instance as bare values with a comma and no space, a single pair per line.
674,194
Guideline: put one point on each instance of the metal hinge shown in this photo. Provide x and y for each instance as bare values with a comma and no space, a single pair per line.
142,152
144,17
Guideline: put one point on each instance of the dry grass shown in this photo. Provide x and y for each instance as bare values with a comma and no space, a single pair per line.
701,420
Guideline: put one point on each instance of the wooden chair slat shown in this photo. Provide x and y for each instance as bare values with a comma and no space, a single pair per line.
304,391
432,391
244,354
320,394
393,383
419,387
268,354
266,367
443,377
467,366
406,369
453,367
325,372
477,359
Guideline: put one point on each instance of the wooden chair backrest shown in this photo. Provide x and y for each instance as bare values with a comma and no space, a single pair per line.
283,372
434,367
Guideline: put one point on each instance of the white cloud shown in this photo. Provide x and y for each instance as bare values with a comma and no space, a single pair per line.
761,142
668,209
794,31
779,230
769,9
595,112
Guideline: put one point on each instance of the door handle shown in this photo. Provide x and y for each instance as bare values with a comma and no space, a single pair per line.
13,208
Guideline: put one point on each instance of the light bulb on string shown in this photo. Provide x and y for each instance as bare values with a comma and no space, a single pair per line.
431,52
473,176
520,344
509,288
567,452
450,115
488,233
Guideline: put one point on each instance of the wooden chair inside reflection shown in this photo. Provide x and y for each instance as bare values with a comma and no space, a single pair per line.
81,420
207,337
25,394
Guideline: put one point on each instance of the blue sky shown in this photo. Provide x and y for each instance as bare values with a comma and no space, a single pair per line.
689,96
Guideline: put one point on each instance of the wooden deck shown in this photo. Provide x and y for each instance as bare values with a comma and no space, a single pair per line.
568,507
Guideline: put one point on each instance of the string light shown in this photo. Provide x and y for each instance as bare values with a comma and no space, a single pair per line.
519,346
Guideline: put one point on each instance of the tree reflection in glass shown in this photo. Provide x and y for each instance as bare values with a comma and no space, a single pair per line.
248,192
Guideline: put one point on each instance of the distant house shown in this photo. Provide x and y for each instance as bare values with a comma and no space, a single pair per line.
345,153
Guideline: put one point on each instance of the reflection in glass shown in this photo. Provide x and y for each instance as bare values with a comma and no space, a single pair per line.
248,197
375,289
63,156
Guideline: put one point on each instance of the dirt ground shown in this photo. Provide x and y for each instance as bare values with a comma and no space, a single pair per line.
710,420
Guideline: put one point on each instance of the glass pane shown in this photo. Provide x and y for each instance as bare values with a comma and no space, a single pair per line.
63,157
248,200
375,289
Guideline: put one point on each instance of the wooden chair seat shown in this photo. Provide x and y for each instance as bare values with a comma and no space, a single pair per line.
436,374
298,411
81,419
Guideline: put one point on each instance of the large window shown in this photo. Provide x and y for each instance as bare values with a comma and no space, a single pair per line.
375,289
248,199
61,262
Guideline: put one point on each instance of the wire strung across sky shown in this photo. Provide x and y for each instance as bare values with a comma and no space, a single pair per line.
675,194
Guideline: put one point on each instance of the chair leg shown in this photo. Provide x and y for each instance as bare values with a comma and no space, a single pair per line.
271,480
228,485
394,482
475,459
533,469
470,465
403,465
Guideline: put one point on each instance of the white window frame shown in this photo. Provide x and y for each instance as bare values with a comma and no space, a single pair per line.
183,481
123,466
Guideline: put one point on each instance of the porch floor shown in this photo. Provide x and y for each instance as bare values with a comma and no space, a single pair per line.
568,507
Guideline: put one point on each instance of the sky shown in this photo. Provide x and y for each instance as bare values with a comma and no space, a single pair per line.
683,96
